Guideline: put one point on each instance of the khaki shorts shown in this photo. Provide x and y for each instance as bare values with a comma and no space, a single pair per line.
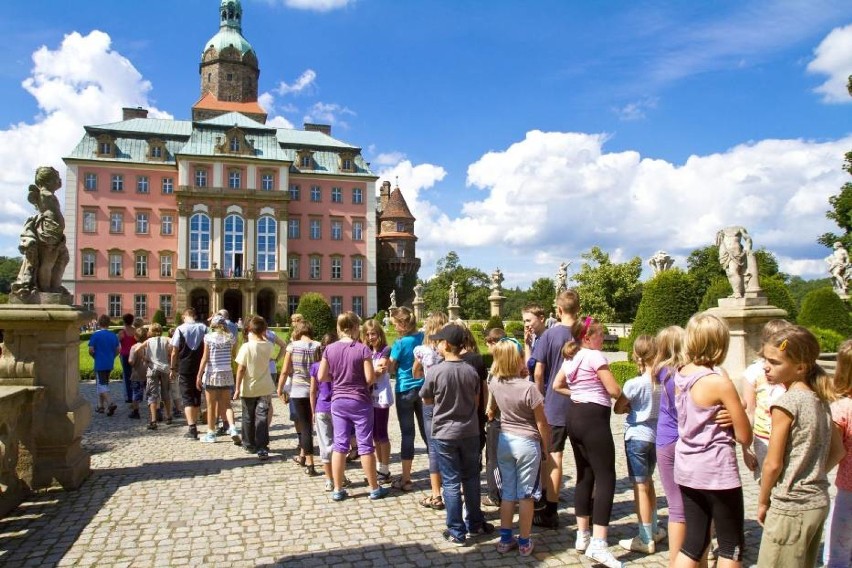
791,538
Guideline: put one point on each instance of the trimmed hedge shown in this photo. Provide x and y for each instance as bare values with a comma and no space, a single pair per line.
493,322
669,298
314,308
829,340
624,371
823,309
515,329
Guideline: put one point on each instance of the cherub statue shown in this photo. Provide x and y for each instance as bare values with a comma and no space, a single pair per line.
838,267
454,295
496,281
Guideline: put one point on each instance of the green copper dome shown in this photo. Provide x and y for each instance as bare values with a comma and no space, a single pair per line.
230,29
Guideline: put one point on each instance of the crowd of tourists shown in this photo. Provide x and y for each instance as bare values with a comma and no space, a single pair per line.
684,415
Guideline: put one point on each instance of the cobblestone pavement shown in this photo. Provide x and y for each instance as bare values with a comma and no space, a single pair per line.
157,499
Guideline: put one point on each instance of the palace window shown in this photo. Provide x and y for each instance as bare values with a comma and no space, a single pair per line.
88,263
90,221
233,262
293,268
315,267
336,268
294,228
267,243
357,230
168,186
235,178
357,196
142,264
140,305
116,222
337,230
234,145
166,304
316,229
114,303
316,193
295,192
142,223
165,266
199,242
88,302
336,305
358,305
267,182
117,182
142,184
357,268
90,182
167,225
200,177
292,304
115,264
336,195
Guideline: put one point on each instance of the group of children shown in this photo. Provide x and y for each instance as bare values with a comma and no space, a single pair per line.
683,414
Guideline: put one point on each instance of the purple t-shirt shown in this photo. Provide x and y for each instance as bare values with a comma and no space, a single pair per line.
548,352
324,390
667,418
346,367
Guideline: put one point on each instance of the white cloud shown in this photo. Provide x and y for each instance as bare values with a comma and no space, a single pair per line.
318,5
636,110
267,102
329,113
833,57
388,158
279,122
305,82
82,82
554,195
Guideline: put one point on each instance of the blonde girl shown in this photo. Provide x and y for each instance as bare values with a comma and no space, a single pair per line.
668,360
425,357
382,394
641,401
793,502
838,532
217,377
706,467
300,353
523,439
409,406
586,379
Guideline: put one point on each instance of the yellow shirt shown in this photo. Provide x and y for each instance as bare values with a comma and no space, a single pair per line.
254,356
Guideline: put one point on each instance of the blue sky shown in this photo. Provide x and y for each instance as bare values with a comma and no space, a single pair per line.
522,133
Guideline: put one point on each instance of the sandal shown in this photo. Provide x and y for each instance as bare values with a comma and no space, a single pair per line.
299,460
433,502
405,486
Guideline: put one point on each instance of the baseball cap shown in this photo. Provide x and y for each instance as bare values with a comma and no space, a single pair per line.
218,319
451,333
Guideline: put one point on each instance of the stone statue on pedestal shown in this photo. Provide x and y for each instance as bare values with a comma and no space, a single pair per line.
418,291
43,245
393,299
737,258
838,267
660,262
496,282
560,283
454,295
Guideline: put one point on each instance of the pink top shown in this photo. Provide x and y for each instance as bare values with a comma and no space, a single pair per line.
841,413
582,375
705,456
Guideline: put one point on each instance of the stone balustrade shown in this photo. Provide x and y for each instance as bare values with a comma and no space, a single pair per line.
17,443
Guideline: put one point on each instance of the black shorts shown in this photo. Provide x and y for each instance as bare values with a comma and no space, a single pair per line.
558,437
190,395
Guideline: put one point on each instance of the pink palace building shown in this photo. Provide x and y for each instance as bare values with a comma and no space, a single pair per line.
220,211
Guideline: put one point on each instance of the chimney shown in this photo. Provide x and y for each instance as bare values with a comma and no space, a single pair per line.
324,128
138,112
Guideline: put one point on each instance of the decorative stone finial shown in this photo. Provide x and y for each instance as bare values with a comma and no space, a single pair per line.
660,262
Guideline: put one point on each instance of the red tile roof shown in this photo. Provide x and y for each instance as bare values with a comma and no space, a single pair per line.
210,102
396,207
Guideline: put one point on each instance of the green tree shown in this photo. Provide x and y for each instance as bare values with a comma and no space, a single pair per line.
703,265
799,287
609,291
776,291
315,309
542,292
472,287
824,309
840,212
9,268
668,298
515,301
160,318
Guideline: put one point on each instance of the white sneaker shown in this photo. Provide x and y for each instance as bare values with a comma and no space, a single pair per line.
602,555
635,544
329,485
582,541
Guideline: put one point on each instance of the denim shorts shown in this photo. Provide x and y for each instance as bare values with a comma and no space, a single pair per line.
519,462
641,459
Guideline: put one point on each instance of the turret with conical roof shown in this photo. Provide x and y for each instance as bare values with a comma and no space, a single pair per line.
229,69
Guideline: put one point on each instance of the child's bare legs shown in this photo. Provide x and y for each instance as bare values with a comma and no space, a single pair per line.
223,406
212,399
507,515
526,509
382,452
368,464
645,501
152,411
677,534
406,471
338,469
598,531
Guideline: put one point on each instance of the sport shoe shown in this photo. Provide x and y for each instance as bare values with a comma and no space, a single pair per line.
329,485
581,543
249,449
134,414
263,454
635,544
602,555
339,495
209,437
191,434
221,431
525,550
152,426
311,471
448,536
111,410
483,529
379,493
504,547
544,520
235,437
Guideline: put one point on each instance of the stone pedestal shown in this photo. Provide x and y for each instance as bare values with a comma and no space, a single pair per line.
454,312
17,409
745,318
41,349
496,305
419,312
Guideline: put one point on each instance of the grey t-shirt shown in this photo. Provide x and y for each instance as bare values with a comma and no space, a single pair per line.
454,386
803,485
517,399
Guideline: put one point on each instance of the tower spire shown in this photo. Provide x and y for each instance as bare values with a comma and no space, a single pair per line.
231,15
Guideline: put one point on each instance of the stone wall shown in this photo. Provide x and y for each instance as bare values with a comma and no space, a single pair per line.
17,444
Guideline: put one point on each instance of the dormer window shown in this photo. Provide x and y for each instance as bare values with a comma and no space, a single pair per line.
105,146
306,160
156,150
347,162
235,144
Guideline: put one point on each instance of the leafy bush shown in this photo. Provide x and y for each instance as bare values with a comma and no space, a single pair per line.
824,309
495,321
623,371
477,328
160,318
316,310
829,340
515,329
380,316
669,298
87,365
718,288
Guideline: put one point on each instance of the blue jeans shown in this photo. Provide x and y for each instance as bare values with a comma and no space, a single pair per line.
458,461
428,411
126,370
409,406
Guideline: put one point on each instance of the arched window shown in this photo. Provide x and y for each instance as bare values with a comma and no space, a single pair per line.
199,242
233,264
267,241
